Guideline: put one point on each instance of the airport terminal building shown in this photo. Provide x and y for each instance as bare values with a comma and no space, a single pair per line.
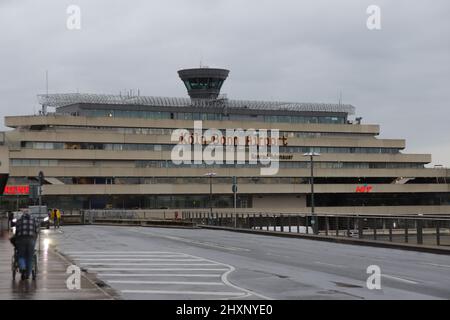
116,151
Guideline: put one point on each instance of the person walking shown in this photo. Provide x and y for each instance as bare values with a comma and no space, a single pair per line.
58,217
27,229
55,218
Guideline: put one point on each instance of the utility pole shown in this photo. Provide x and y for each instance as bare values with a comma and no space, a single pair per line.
314,219
234,189
210,175
41,182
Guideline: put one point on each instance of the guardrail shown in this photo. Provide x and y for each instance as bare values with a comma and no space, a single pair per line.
414,230
398,229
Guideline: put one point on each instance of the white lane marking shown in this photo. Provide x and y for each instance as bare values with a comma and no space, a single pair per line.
438,265
174,260
146,264
399,279
118,252
211,275
227,282
203,243
156,269
224,276
209,293
168,282
330,264
128,257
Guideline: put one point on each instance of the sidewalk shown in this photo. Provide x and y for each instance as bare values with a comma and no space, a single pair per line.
51,280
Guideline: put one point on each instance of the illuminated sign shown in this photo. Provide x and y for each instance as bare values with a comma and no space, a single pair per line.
364,189
17,190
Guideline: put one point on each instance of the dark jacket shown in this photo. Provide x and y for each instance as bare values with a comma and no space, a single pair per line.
27,226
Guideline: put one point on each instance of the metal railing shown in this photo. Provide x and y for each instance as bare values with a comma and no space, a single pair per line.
433,231
90,216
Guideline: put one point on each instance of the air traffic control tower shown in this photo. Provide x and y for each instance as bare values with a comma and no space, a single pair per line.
203,83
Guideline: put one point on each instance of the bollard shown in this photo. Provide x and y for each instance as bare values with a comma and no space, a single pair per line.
419,225
327,226
289,222
438,234
298,224
390,230
337,226
281,223
406,231
360,228
348,226
374,229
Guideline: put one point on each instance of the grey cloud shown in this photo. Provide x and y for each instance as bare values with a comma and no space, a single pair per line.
281,50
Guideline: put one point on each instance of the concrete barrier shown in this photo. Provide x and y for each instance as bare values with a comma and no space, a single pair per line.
145,223
71,219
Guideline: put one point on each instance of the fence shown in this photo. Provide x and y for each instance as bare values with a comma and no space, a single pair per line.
90,216
400,229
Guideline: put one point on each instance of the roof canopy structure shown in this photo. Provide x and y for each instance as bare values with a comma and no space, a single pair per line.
61,100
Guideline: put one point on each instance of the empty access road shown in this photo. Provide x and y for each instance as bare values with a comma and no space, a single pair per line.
163,263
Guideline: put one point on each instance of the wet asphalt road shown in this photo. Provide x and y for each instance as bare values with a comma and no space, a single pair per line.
160,263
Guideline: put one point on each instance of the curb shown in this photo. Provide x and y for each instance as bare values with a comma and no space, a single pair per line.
90,277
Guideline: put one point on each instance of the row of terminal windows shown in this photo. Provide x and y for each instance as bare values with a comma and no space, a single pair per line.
284,164
166,131
338,150
34,163
146,201
221,180
203,83
170,164
168,147
227,180
380,199
243,201
213,116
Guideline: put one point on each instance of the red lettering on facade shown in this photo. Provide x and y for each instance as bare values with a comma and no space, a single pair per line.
17,190
364,189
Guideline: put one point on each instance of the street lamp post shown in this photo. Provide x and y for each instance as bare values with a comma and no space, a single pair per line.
314,220
41,182
210,175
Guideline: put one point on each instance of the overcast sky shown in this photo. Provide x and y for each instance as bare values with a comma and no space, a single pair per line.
289,50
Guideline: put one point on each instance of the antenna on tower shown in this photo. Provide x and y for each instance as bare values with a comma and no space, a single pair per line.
44,107
340,98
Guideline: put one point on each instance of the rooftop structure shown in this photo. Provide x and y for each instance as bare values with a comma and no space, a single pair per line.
203,83
61,100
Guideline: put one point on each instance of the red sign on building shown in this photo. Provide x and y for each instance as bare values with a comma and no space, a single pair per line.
364,189
17,190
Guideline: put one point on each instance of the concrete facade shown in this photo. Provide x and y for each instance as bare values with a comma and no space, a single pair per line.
356,173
